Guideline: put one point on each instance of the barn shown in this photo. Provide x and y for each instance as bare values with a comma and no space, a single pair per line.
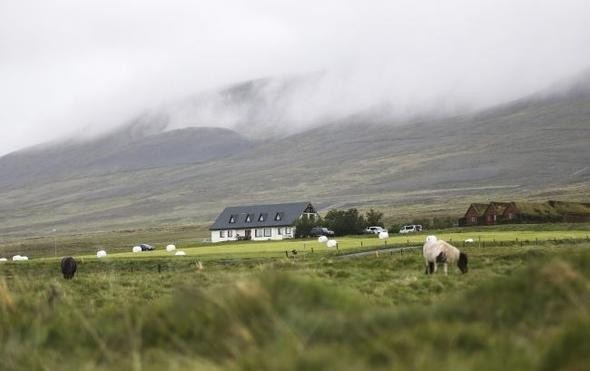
260,222
474,214
494,213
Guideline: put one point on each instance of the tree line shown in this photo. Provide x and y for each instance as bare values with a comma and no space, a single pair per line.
352,221
342,222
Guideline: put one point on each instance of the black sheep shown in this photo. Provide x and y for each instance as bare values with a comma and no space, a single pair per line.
68,267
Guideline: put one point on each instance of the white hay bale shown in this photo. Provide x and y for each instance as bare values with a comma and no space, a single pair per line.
18,258
331,243
383,235
3,260
170,248
101,254
180,253
469,240
136,249
323,239
24,258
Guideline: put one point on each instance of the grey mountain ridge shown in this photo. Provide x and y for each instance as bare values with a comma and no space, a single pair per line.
535,147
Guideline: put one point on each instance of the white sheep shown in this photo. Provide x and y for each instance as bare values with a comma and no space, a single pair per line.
180,253
136,249
331,243
101,254
322,239
438,251
170,248
383,235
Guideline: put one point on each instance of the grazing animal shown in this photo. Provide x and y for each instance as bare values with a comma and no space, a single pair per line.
68,267
438,251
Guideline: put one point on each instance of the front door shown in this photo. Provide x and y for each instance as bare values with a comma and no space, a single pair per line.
248,235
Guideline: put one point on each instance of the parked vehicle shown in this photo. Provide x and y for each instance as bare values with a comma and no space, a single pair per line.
411,228
375,230
321,231
146,247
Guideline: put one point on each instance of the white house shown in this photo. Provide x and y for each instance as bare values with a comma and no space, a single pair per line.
260,222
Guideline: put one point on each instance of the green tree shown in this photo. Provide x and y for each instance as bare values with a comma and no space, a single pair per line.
344,222
304,225
375,218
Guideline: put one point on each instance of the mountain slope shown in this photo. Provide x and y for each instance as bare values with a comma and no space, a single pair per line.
533,148
133,147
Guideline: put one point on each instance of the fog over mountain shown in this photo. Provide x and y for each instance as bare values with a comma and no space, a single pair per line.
78,71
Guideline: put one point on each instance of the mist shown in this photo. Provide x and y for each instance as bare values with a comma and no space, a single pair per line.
70,68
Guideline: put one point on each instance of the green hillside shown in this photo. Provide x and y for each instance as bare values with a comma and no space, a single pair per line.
535,149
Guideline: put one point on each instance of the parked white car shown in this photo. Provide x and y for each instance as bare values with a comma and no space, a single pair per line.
411,228
375,230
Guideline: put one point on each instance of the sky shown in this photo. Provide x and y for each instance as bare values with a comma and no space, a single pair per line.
76,68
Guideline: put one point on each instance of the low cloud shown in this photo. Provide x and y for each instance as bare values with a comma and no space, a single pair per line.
71,68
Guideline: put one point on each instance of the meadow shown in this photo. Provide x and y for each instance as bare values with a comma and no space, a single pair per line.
253,308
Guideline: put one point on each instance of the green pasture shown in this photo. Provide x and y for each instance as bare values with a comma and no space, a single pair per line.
518,308
277,249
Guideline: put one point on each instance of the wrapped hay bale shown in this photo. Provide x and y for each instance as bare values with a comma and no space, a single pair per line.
170,248
323,239
331,243
101,254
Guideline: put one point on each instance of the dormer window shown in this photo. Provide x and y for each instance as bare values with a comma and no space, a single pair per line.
232,219
262,217
248,218
278,217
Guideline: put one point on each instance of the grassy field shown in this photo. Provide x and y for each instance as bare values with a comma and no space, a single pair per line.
251,308
190,239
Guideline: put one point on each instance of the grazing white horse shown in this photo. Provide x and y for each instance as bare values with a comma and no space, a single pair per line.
438,251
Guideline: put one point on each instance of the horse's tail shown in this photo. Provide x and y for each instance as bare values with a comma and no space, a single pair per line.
462,263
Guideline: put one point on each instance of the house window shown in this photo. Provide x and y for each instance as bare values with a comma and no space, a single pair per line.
258,232
280,231
278,217
267,232
248,218
230,233
509,215
287,230
221,234
232,219
262,217
473,219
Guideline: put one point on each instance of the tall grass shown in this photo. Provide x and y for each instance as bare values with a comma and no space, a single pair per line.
516,309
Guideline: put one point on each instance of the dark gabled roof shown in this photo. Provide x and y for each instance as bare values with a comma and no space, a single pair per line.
289,213
479,208
499,207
